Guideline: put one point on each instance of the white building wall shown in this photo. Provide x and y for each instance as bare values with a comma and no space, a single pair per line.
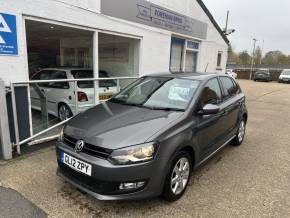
155,43
214,42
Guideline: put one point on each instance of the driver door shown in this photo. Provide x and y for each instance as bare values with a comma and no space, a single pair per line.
209,128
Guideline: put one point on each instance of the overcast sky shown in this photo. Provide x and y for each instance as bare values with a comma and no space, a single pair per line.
262,19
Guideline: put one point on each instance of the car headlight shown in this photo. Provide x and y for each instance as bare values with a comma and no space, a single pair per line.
61,134
134,154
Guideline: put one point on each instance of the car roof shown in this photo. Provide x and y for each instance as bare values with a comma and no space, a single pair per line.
188,75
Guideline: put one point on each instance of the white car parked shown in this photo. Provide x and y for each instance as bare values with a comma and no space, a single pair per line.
231,73
61,96
285,76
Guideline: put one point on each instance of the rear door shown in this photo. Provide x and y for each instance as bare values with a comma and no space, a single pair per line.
57,91
209,127
230,105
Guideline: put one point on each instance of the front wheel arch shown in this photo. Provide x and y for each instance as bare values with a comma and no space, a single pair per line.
245,116
167,193
63,104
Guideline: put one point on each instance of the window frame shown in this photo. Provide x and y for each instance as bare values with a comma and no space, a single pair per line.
48,84
221,92
224,97
185,49
219,59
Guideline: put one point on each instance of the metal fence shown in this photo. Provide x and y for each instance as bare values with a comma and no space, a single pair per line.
14,85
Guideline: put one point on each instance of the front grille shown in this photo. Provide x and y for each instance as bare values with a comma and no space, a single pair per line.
100,187
88,148
92,184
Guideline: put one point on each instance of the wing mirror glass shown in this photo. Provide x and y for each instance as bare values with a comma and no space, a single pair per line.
209,109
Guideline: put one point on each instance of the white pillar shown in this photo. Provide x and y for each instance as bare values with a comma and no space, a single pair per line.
5,142
96,64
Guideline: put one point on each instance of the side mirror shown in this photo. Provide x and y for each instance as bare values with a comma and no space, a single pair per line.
209,109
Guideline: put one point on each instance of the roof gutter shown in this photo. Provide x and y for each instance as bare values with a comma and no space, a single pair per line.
205,9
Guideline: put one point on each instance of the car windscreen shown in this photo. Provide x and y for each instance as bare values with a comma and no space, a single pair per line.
286,73
158,93
84,74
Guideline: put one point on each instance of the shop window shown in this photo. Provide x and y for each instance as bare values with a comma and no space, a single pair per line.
219,59
192,45
54,46
118,57
177,50
53,51
184,55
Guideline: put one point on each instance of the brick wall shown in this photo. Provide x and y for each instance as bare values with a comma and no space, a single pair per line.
245,74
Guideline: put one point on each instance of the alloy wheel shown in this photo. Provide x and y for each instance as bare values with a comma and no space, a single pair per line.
64,113
241,133
180,175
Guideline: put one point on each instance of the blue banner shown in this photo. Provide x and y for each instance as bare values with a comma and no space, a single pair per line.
8,35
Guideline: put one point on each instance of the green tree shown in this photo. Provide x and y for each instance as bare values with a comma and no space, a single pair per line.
244,57
233,57
275,58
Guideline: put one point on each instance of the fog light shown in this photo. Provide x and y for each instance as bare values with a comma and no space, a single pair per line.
131,185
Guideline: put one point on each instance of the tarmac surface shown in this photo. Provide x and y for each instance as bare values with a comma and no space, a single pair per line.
248,181
24,208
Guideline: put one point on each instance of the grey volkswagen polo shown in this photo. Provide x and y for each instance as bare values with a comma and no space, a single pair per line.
146,140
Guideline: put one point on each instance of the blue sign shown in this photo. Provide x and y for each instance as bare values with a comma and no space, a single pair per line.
8,35
192,45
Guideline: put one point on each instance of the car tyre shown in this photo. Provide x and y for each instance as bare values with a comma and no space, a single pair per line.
178,177
240,135
64,112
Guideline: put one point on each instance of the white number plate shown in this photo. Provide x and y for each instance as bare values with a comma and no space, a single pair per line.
76,164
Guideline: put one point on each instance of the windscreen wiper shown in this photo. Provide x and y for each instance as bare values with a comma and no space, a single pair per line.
125,103
165,108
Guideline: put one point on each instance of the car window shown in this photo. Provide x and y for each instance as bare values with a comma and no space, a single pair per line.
230,87
58,75
158,93
263,72
286,73
52,75
42,75
83,74
211,93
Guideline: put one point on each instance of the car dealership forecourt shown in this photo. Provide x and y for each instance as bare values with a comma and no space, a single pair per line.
131,39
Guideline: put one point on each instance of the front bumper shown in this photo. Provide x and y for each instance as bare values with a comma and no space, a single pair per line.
106,177
284,80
